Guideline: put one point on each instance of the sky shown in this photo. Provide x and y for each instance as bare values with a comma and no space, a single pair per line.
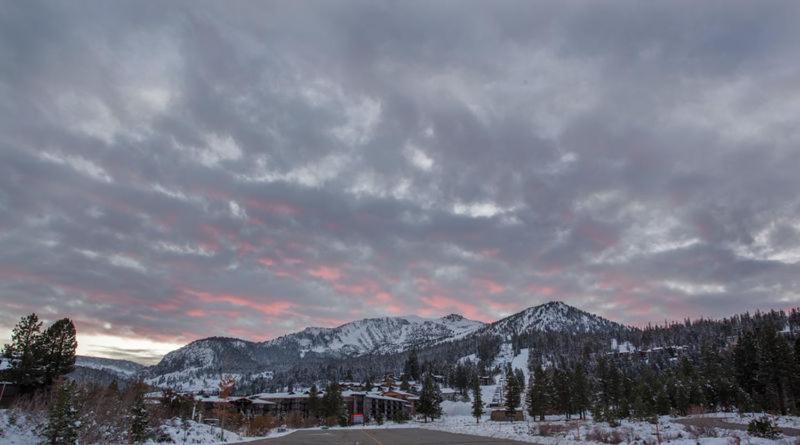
173,171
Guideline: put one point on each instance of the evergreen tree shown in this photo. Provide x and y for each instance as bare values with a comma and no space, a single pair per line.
745,360
411,369
606,391
62,420
368,384
580,391
313,401
520,376
25,350
332,401
430,399
796,374
643,405
662,403
58,346
773,372
512,395
562,391
404,385
461,378
139,429
477,403
538,390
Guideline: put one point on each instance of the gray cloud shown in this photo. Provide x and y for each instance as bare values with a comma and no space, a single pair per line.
249,169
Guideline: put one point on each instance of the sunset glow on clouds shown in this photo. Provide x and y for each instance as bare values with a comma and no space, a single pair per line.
176,171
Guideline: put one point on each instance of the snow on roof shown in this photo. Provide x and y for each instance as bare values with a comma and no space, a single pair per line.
217,399
283,395
402,393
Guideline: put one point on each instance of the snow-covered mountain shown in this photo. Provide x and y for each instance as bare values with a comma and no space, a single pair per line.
552,316
379,335
206,358
201,363
104,370
122,368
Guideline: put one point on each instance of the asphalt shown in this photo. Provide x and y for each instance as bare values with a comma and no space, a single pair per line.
397,436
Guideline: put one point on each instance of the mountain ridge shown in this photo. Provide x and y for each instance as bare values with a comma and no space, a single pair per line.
202,359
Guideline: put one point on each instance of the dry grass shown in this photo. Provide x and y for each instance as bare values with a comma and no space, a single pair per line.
614,436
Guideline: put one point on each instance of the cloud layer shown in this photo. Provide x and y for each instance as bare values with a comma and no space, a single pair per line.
174,171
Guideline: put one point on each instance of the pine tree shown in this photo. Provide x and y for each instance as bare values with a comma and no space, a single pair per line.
538,390
430,399
773,376
580,388
332,402
26,351
512,395
58,346
745,361
662,400
404,385
562,391
313,401
139,429
411,368
477,403
796,374
520,376
62,423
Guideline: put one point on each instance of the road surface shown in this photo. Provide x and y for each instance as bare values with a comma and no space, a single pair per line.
395,436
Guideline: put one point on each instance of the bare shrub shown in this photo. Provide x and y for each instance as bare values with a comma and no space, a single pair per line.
613,436
294,419
552,429
696,431
697,409
331,421
260,425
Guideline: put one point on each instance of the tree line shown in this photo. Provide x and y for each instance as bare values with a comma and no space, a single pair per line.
758,370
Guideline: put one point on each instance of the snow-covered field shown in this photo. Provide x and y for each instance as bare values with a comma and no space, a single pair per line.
556,431
560,432
17,429
745,418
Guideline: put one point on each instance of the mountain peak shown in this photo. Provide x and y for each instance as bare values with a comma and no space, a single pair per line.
453,317
552,316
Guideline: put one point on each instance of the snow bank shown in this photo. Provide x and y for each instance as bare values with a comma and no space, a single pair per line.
17,429
575,432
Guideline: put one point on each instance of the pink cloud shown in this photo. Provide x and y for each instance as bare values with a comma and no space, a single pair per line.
266,261
490,286
601,237
326,273
546,291
439,304
274,207
269,308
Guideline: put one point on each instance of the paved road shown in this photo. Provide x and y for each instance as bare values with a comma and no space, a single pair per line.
716,422
396,436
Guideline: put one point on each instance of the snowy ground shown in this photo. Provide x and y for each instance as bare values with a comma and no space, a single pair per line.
19,430
745,418
16,429
556,431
